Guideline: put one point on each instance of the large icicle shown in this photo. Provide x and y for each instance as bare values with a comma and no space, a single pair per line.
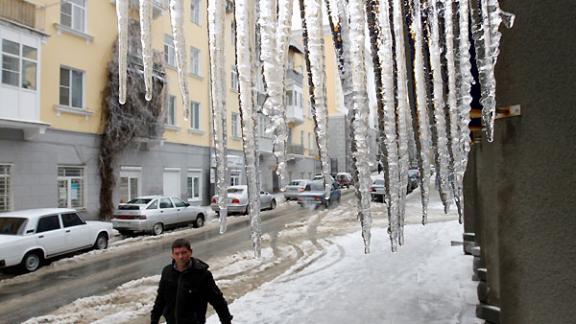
146,39
216,26
402,112
311,14
122,13
487,43
361,113
387,120
244,61
176,19
441,155
454,148
423,121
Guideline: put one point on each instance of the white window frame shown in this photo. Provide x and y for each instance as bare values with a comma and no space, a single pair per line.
235,125
68,180
195,11
170,118
234,82
21,60
169,51
131,173
7,197
235,177
195,62
195,116
73,16
69,86
191,194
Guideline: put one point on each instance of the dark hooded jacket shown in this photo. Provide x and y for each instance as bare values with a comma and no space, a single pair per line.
184,296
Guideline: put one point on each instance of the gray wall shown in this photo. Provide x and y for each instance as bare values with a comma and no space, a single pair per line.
525,182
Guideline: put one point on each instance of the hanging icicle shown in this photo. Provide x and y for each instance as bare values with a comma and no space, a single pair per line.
244,63
441,154
146,39
361,112
311,14
176,19
216,26
122,13
423,122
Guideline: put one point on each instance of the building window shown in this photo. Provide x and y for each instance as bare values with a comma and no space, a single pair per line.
235,125
129,183
195,115
170,118
195,11
234,79
169,51
71,88
71,187
289,98
5,200
193,185
195,61
19,64
73,14
234,177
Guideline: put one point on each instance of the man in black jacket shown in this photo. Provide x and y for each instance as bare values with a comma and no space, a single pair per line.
186,287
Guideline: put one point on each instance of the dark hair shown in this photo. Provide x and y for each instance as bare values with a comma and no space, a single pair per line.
180,243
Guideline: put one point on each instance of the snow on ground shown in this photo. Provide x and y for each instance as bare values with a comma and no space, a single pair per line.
427,281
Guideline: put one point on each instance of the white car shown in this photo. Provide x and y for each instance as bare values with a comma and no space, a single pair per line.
294,188
28,237
155,213
238,200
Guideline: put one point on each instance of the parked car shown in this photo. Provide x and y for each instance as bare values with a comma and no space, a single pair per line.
156,213
321,177
29,237
377,189
294,188
238,200
344,179
314,195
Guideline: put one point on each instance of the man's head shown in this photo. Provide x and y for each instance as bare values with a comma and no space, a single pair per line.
181,252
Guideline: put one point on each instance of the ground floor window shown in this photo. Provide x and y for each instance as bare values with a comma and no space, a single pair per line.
234,177
129,183
5,200
71,187
194,185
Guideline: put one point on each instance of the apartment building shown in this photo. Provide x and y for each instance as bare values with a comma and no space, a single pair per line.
55,56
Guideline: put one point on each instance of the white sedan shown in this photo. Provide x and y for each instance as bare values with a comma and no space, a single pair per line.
238,200
28,237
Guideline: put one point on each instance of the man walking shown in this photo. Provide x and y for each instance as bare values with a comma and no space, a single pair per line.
186,287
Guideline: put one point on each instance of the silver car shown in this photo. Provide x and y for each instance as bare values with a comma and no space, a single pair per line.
238,200
156,213
295,188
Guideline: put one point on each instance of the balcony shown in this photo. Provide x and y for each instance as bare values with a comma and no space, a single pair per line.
295,77
295,149
294,115
18,11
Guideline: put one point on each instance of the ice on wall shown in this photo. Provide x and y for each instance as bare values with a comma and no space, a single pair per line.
122,13
176,19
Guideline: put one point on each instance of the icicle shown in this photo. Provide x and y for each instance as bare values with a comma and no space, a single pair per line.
361,115
421,109
244,61
487,42
402,112
454,148
441,156
314,43
146,38
122,13
176,18
216,25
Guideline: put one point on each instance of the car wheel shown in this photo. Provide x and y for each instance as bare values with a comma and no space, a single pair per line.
101,242
272,204
199,222
31,261
157,229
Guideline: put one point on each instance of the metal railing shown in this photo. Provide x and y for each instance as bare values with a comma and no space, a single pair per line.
18,11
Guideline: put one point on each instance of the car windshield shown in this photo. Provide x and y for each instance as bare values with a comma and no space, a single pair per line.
296,183
235,190
140,201
379,182
12,225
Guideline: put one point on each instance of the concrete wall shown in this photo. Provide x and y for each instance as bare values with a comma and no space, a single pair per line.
525,182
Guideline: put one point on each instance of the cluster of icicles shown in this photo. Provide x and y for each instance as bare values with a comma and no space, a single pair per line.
418,47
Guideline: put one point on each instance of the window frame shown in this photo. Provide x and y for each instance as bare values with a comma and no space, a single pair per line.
195,116
234,81
70,89
21,60
195,61
191,194
7,197
235,123
170,111
169,51
195,16
73,17
68,180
